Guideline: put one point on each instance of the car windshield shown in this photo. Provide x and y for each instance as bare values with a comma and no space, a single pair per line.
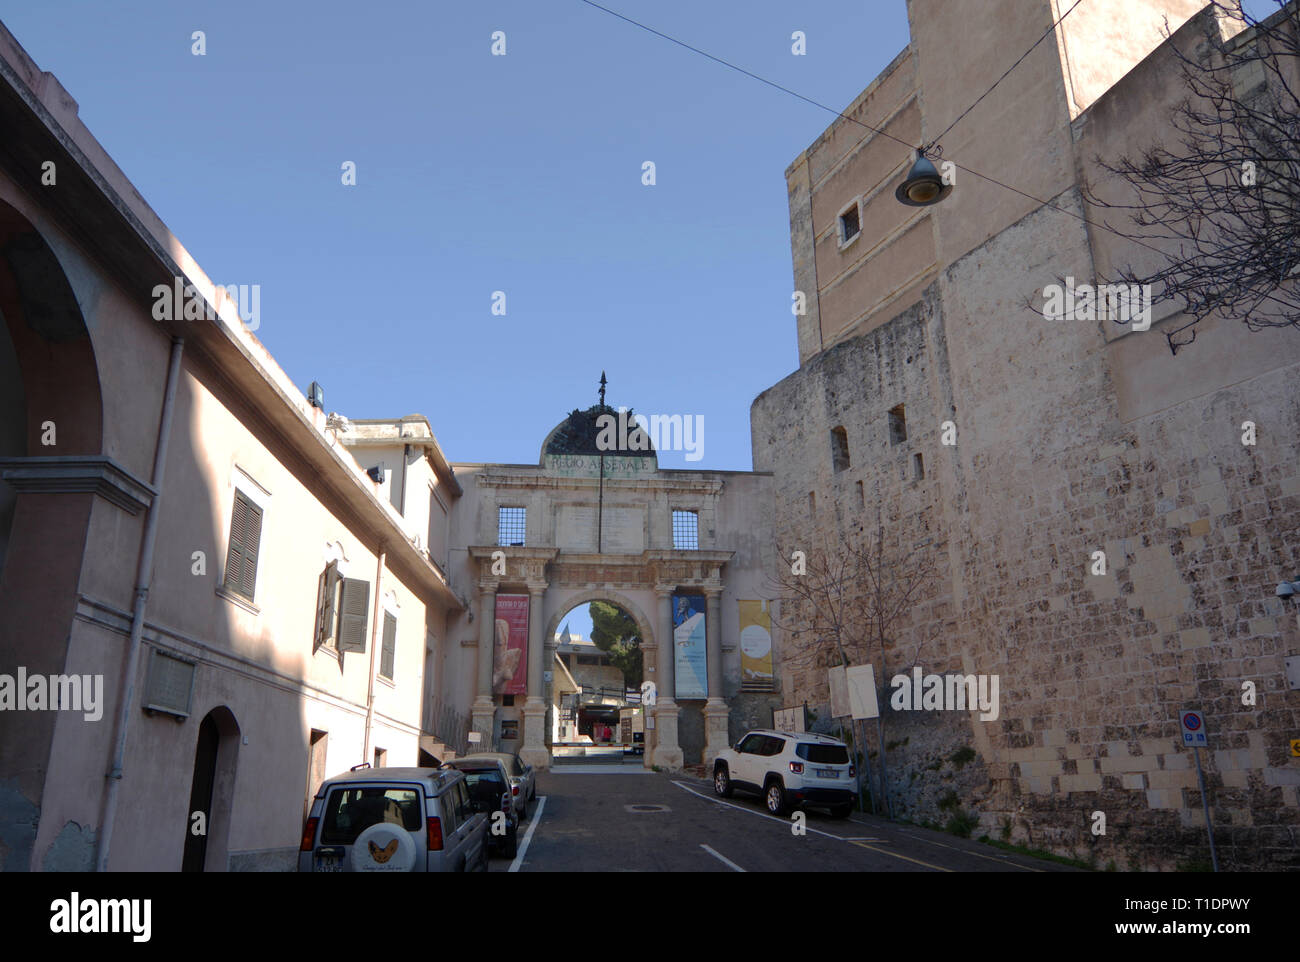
350,811
485,784
823,754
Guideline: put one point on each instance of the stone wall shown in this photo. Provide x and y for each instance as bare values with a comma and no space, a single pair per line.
1196,527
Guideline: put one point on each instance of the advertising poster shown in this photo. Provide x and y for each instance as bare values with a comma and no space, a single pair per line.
756,643
690,664
510,651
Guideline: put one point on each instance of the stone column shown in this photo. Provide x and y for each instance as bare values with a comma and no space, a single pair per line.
715,709
667,753
534,751
483,711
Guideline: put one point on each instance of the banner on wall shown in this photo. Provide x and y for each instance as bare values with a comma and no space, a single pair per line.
510,651
690,647
756,643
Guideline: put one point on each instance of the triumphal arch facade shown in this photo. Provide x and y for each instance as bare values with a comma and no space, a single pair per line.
682,552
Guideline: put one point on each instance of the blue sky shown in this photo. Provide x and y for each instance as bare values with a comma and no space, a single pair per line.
478,174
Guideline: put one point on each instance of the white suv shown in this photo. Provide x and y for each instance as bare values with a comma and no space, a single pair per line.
789,769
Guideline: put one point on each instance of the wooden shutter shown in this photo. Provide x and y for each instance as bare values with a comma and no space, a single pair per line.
354,608
241,555
387,654
326,613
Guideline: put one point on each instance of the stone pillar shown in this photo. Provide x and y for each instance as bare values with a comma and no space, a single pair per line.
483,711
667,753
715,710
534,751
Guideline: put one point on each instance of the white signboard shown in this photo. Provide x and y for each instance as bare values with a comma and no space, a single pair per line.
839,692
788,719
862,691
1193,725
474,738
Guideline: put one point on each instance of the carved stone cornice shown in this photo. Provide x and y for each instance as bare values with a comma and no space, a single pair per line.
96,474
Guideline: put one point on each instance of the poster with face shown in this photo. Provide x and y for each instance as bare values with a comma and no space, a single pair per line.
510,650
690,662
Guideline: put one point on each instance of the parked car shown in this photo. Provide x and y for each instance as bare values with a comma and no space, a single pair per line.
790,770
523,781
489,786
395,820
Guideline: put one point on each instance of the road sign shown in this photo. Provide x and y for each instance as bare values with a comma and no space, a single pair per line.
839,692
788,719
1193,724
1295,748
862,691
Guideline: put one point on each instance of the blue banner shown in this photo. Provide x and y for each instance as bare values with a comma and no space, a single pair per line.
690,647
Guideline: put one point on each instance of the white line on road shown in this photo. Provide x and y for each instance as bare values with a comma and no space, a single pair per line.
742,808
528,835
807,828
722,858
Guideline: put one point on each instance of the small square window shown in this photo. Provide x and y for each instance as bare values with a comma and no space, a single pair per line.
850,223
512,523
686,530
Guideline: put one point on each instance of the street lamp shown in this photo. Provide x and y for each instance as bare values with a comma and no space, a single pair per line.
923,186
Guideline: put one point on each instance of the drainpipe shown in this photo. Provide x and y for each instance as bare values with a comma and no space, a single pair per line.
375,639
143,577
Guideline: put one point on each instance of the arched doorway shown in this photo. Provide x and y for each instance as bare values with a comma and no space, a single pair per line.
212,789
596,710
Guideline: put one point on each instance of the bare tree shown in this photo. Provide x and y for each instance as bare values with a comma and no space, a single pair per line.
1222,206
842,602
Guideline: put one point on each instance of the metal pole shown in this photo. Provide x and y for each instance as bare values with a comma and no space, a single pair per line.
884,769
865,761
1205,804
143,582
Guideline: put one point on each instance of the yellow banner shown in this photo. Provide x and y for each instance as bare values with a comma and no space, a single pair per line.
755,642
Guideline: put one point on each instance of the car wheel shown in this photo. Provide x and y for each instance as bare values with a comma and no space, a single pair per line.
775,798
722,782
841,811
511,848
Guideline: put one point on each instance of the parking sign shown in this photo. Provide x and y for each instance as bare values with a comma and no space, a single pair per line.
1193,724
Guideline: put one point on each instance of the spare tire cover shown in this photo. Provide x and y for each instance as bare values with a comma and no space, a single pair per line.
384,847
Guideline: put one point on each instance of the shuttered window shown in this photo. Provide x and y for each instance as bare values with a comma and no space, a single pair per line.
245,536
354,608
388,653
327,616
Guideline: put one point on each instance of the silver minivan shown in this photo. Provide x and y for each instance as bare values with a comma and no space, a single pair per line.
394,820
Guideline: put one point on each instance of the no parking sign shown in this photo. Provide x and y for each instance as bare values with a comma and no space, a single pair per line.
1193,724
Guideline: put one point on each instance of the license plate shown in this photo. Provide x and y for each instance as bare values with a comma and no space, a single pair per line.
827,773
327,864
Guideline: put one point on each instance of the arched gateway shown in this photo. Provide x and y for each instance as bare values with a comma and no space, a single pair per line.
678,550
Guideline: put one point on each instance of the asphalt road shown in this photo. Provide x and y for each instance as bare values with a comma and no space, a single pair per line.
588,819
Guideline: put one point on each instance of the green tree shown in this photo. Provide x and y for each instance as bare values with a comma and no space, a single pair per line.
614,632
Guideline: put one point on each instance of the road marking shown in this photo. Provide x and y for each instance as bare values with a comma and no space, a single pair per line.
741,808
818,831
528,835
1000,859
882,851
722,858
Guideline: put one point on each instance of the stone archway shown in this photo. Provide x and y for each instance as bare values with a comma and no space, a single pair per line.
577,599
